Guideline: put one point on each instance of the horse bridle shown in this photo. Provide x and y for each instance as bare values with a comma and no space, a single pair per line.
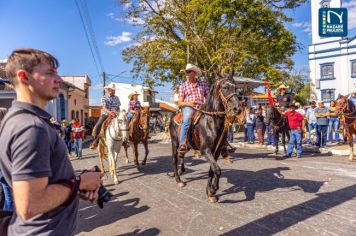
347,115
115,139
282,119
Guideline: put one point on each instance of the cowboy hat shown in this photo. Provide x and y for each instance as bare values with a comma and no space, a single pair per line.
282,87
131,94
110,86
193,68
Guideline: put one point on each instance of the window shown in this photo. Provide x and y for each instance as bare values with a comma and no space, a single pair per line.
327,71
327,95
353,69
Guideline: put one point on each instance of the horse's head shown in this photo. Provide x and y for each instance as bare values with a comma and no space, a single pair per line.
225,89
341,103
123,124
269,115
144,118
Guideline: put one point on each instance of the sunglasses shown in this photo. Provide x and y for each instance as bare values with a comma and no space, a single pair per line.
188,71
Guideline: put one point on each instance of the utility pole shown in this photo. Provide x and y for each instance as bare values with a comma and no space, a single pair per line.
104,83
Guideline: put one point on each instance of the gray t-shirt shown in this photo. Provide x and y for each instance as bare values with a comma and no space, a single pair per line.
323,120
31,148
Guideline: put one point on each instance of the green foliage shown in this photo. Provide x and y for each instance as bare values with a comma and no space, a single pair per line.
248,36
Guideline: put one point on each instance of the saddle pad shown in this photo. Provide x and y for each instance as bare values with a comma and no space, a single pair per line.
178,119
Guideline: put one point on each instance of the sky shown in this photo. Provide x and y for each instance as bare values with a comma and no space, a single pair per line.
56,27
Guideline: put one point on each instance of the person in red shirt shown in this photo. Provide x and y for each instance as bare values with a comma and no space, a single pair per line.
78,135
295,121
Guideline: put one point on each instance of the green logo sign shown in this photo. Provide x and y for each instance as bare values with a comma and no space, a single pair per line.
332,22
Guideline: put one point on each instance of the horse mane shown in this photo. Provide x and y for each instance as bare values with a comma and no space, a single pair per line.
211,102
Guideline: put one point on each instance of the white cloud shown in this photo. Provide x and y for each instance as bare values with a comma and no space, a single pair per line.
115,40
94,102
351,11
131,20
126,5
3,60
305,26
97,86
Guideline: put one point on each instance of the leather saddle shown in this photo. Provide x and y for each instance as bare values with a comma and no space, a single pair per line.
192,134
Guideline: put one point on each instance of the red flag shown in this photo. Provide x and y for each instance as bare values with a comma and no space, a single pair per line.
270,99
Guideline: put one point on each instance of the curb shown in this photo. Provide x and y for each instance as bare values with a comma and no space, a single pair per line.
309,149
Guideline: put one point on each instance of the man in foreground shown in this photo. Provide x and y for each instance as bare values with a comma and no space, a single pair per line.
33,158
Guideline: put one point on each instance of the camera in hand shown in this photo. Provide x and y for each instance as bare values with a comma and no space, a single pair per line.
104,194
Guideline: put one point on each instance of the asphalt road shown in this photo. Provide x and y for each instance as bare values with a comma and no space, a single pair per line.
258,195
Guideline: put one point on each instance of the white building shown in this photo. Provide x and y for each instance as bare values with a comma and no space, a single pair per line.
332,60
146,98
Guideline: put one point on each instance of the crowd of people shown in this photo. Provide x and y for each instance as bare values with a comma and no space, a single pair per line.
322,124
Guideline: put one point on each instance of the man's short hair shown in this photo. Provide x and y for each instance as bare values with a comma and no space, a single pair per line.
27,59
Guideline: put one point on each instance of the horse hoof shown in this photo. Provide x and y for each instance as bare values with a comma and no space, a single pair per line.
138,168
127,161
213,199
228,160
117,182
180,172
351,158
143,163
181,184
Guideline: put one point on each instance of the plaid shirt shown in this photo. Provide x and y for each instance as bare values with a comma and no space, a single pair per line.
112,103
193,92
134,105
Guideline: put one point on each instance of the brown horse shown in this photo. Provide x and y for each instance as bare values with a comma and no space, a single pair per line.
138,132
345,107
208,132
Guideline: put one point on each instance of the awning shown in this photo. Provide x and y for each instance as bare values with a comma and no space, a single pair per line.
243,82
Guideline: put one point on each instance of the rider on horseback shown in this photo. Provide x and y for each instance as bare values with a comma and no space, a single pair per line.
111,105
284,100
192,94
134,105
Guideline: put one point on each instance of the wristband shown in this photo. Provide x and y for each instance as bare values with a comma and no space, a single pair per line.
73,185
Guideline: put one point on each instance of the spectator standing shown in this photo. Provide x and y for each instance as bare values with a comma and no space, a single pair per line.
311,119
33,158
78,135
260,126
334,123
68,135
250,122
8,201
295,121
321,113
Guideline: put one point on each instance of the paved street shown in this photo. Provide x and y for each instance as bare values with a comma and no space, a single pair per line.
258,195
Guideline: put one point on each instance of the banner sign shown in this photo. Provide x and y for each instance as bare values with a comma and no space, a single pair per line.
332,22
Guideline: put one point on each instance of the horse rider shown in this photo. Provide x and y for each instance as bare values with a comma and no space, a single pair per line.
284,100
352,97
134,105
110,105
192,94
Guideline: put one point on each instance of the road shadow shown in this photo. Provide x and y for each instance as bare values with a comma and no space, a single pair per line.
139,232
281,220
264,180
90,216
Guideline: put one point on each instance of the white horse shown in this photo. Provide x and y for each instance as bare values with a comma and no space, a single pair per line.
116,133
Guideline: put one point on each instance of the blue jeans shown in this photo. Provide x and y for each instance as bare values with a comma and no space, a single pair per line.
322,131
270,136
78,143
333,128
250,134
9,203
187,117
295,139
311,126
230,135
130,116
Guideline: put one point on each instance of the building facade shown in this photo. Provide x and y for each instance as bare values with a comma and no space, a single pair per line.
146,97
78,97
332,60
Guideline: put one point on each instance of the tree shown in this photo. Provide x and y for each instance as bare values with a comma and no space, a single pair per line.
248,36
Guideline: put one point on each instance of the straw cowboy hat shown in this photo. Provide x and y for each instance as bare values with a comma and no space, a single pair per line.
194,68
132,94
110,86
282,87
